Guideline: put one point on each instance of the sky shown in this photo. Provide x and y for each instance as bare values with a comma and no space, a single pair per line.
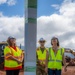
12,20
56,18
45,7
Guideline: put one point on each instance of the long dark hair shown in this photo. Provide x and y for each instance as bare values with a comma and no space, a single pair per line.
9,42
57,42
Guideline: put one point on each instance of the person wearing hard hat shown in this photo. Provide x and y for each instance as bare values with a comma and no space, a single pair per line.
41,57
55,57
13,57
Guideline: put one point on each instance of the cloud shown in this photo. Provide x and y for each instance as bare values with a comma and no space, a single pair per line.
8,2
11,2
1,14
3,1
12,26
61,25
68,8
56,6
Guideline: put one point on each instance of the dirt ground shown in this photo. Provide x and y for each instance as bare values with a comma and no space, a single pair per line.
70,71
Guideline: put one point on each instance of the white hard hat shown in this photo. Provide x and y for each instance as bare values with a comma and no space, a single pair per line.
42,39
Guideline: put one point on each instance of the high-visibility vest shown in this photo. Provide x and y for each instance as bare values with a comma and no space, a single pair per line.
41,56
11,63
55,61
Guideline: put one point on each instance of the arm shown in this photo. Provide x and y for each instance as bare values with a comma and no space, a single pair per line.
37,61
22,56
47,56
9,56
64,62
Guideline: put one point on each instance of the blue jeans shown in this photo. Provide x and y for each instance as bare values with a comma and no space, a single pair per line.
54,72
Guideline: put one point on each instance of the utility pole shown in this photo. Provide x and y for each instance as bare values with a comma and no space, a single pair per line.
30,37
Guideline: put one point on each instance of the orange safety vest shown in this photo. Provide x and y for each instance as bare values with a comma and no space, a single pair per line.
11,64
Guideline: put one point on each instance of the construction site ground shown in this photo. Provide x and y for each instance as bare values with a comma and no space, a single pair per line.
70,71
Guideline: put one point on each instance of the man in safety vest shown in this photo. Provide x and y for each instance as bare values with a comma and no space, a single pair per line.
55,57
41,58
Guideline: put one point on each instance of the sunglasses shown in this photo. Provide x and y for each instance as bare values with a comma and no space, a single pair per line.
13,38
42,41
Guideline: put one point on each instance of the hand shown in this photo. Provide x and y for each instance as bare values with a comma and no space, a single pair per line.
43,65
65,69
19,62
46,70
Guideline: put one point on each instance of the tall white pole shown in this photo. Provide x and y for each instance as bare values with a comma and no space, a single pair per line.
30,37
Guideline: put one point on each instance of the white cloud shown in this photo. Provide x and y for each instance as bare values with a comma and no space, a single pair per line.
68,9
3,1
68,1
61,25
1,14
12,26
8,2
56,6
11,2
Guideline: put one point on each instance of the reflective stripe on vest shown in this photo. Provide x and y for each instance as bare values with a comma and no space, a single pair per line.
55,61
41,56
11,63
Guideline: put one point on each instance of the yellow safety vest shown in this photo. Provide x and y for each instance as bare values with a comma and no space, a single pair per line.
55,61
41,56
11,63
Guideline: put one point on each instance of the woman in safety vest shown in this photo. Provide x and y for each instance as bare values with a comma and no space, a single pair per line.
55,57
13,57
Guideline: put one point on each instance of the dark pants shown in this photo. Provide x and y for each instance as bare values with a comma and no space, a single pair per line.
12,72
54,72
